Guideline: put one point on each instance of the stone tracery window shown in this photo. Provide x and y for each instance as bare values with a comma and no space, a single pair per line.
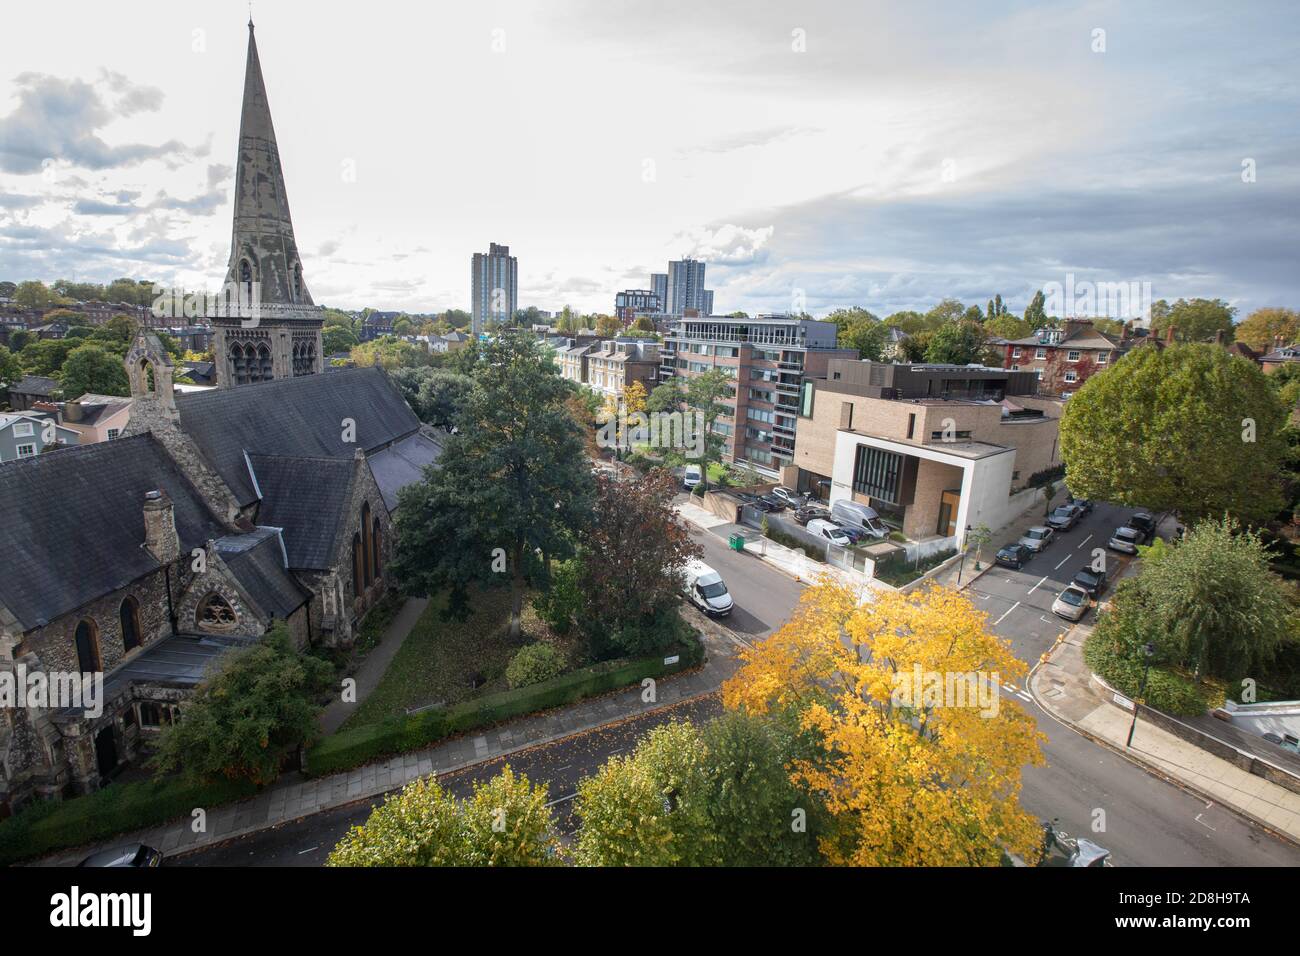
129,618
215,613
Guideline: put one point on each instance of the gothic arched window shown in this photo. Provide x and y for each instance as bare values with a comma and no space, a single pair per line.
215,613
87,641
358,555
376,551
129,617
245,271
238,364
368,561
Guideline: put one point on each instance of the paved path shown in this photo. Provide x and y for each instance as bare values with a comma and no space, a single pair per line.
375,664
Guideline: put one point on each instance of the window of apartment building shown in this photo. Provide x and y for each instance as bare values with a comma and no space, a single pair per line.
726,351
761,395
911,424
877,473
759,455
760,415
766,374
1015,352
1072,355
26,451
758,433
1040,353
846,414
1072,376
806,401
955,436
23,430
1103,358
721,428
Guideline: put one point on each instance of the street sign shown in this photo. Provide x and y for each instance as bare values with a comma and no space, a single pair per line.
1123,701
671,660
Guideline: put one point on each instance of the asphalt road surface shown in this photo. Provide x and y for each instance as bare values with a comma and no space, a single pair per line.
1148,822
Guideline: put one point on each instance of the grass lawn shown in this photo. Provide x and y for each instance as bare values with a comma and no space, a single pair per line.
440,659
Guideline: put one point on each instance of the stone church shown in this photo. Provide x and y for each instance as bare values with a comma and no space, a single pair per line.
216,515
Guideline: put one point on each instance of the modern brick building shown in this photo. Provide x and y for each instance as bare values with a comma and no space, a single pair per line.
933,448
767,357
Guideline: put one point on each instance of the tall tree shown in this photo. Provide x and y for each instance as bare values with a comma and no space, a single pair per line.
919,759
957,343
1191,429
91,369
512,484
1194,320
1263,327
506,822
32,295
702,394
1036,311
11,370
665,397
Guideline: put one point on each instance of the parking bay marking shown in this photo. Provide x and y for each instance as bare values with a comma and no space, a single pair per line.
1063,560
1083,542
1005,613
1036,586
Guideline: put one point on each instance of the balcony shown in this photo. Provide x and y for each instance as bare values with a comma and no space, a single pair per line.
783,429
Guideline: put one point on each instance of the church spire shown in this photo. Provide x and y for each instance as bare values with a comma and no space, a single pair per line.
263,248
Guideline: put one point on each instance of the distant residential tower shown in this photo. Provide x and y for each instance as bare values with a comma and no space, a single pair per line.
495,287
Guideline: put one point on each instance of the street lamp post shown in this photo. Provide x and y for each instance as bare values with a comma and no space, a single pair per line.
961,565
1148,651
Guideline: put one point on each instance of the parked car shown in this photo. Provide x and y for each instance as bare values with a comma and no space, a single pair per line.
1013,556
1037,538
129,855
707,591
1064,518
791,497
1091,580
830,531
761,504
1144,524
850,514
777,504
1083,504
693,476
809,512
1071,604
1125,539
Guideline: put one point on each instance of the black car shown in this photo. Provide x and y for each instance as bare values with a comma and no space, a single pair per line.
809,512
1090,580
1013,556
776,503
761,504
1144,525
1083,504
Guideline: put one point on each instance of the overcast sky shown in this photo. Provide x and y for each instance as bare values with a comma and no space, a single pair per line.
815,154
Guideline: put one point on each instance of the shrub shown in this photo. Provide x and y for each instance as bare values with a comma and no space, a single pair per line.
359,745
559,604
533,665
1047,475
377,620
1167,690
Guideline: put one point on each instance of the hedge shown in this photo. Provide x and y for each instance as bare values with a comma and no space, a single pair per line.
49,825
359,745
1167,690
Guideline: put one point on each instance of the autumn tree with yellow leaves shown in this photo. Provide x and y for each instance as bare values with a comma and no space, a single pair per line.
919,758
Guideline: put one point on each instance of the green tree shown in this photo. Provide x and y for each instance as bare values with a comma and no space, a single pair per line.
1193,320
32,295
11,370
1263,327
702,394
1008,327
91,369
1036,312
505,823
512,485
1192,429
957,343
338,338
908,321
861,330
947,311
46,356
245,719
665,397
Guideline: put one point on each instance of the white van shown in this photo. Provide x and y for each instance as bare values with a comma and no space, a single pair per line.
830,531
853,515
693,476
706,590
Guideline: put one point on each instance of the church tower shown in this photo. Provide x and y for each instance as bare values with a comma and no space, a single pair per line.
267,326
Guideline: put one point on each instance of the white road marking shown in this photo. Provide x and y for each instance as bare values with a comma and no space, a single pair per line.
1083,542
1009,688
1063,560
1036,586
1005,613
1025,697
316,847
561,800
1204,824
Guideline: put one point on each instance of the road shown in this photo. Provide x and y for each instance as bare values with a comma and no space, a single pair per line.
1148,822
561,764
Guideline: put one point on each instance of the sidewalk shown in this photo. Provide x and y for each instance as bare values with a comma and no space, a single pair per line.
295,796
375,664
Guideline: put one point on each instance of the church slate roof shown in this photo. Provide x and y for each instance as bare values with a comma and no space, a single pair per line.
307,498
257,560
74,523
294,418
402,463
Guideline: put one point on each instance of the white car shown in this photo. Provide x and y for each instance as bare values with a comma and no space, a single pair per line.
1072,603
830,531
1038,538
707,591
693,476
1126,540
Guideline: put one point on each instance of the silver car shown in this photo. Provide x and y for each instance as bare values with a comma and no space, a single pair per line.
1126,540
1037,538
1071,604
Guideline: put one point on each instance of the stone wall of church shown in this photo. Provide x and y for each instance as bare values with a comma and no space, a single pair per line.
356,604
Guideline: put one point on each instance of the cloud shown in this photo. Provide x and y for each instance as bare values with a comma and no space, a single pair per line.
758,137
94,207
59,120
219,174
728,244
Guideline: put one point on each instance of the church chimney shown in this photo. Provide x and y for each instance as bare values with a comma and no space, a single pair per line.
72,411
160,536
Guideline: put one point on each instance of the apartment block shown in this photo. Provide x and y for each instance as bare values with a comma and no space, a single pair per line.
632,303
934,448
767,357
494,282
